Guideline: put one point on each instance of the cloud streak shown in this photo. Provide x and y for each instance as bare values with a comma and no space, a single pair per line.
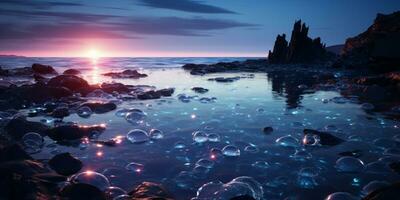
186,6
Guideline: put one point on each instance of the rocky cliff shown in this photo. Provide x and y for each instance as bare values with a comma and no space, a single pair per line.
300,49
377,48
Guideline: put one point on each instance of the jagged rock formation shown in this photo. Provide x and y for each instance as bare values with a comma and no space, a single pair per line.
301,48
378,47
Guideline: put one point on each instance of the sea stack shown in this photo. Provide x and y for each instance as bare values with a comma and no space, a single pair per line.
300,49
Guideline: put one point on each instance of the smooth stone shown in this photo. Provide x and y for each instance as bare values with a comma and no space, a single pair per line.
100,108
71,72
149,190
43,69
19,126
71,82
65,164
268,130
199,90
82,191
74,132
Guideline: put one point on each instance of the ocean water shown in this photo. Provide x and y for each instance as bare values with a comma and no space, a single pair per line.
230,117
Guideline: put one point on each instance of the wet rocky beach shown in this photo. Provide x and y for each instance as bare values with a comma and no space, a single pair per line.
233,130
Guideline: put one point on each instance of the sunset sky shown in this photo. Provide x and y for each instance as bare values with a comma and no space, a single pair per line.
174,27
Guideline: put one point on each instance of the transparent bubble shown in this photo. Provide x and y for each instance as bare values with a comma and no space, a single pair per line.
200,171
135,116
349,164
84,112
156,134
113,192
261,164
205,163
92,178
287,141
122,112
311,140
231,151
200,136
33,142
341,196
179,145
306,182
213,137
237,187
373,186
309,171
137,136
301,155
184,179
136,167
251,149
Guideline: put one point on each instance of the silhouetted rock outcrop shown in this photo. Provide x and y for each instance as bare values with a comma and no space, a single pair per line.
377,48
301,48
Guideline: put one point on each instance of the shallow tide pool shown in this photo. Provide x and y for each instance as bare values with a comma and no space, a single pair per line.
218,136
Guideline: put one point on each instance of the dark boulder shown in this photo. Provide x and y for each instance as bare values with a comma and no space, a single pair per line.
199,90
74,132
43,69
60,112
325,137
224,79
149,190
115,87
377,48
126,74
39,78
25,95
155,94
65,164
166,92
81,191
13,152
19,126
71,82
99,107
18,180
149,95
71,72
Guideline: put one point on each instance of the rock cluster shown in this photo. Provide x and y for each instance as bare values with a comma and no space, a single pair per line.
300,49
378,47
126,74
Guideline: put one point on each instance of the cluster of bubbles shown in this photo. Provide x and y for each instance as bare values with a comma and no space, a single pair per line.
240,186
201,137
231,151
140,136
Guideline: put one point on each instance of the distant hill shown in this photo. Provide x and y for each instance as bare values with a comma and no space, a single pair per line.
336,49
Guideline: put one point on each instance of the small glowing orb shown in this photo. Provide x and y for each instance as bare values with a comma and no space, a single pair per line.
99,154
193,116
